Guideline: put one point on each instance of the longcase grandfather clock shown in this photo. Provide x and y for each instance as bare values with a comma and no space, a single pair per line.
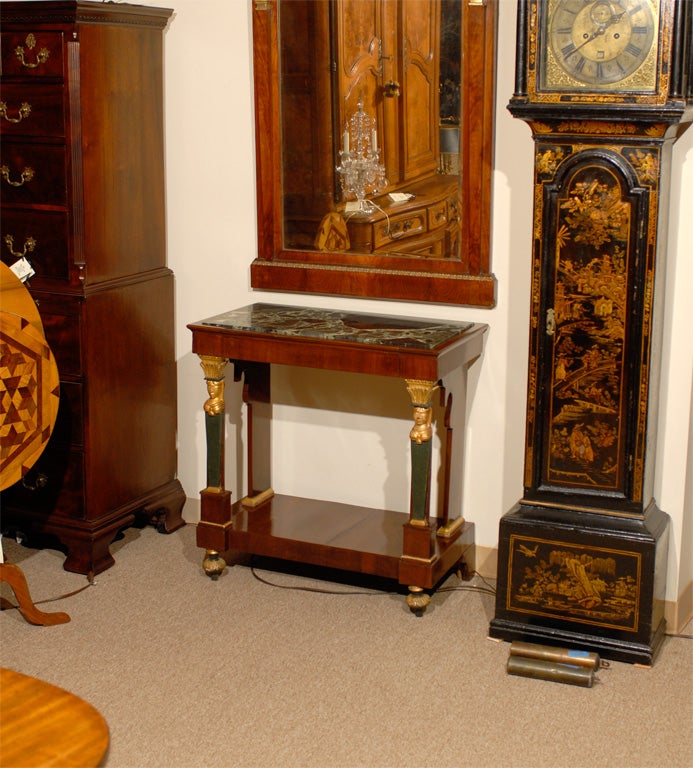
605,88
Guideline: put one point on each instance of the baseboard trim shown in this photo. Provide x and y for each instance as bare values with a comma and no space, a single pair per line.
679,612
486,561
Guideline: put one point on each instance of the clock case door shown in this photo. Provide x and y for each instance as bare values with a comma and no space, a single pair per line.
592,328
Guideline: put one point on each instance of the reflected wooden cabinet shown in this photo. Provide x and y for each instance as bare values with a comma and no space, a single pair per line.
83,199
384,58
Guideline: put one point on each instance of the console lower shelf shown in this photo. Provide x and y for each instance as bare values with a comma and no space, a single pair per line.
341,536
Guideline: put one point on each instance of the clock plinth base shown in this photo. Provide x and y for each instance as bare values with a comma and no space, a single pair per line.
583,580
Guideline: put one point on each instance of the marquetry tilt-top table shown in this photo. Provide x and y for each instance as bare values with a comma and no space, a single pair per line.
416,549
43,726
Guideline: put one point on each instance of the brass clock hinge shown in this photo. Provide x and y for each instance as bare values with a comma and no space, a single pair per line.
263,5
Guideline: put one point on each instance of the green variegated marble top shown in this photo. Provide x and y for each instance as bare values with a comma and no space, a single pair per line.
335,325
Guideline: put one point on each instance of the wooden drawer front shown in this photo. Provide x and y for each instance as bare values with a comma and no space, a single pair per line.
429,245
31,53
41,236
33,173
63,334
406,225
438,215
69,426
55,483
32,110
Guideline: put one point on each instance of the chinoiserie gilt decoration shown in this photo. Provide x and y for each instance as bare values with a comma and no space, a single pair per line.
605,87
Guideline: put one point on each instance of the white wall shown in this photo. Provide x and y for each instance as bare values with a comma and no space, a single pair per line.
361,458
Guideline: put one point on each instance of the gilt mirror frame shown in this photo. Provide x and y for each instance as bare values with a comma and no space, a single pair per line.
464,281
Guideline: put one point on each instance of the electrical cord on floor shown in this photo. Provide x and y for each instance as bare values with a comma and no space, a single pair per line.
488,589
299,588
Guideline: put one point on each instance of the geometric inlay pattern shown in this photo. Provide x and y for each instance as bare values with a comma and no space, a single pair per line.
29,396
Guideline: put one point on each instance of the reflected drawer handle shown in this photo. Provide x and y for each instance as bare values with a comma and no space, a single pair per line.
24,111
41,56
29,245
27,175
40,482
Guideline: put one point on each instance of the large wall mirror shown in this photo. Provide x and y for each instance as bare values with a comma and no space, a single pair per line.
374,138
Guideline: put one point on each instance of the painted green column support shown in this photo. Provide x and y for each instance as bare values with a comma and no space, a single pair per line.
417,543
421,434
214,498
213,368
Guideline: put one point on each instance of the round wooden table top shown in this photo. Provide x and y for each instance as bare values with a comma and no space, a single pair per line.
29,382
43,725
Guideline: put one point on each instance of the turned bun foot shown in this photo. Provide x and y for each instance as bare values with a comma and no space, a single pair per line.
213,564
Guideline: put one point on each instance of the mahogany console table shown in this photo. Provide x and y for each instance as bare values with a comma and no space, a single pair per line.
416,549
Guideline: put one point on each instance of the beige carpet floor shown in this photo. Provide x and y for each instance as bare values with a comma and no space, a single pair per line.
193,673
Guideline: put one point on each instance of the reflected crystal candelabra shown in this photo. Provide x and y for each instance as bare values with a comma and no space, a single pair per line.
361,172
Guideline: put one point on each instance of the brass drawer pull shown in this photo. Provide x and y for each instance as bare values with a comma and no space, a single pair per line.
29,245
24,111
41,56
27,175
40,482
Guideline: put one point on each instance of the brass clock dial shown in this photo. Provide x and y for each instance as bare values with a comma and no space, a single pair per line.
600,44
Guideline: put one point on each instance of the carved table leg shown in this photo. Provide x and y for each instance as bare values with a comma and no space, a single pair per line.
418,535
452,519
13,575
215,499
256,396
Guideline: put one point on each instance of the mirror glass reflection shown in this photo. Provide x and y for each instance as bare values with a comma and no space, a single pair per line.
370,126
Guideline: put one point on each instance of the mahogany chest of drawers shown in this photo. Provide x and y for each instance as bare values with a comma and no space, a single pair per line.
82,182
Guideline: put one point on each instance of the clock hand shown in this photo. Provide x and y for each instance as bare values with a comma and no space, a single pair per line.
595,34
601,29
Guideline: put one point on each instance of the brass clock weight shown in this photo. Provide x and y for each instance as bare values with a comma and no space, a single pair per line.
605,87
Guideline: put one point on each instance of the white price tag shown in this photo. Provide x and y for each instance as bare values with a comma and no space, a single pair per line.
400,197
22,269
